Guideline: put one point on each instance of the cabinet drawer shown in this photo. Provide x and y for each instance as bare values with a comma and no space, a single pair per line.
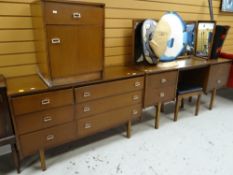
107,89
38,102
101,122
153,96
218,75
108,103
40,120
62,13
162,79
31,143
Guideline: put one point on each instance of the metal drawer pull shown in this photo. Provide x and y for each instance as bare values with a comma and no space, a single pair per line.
54,11
137,84
45,101
135,112
50,137
47,119
162,94
56,40
219,81
86,94
163,80
87,125
77,15
86,109
135,97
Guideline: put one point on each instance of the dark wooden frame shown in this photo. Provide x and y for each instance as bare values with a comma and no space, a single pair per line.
211,43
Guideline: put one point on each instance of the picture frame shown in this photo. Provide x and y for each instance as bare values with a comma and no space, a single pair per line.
226,6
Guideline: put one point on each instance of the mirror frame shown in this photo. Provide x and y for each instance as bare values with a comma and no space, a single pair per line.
211,43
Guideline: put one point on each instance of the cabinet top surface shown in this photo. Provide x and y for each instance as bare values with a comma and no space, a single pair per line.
33,83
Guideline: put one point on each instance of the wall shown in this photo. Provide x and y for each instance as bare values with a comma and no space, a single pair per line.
16,34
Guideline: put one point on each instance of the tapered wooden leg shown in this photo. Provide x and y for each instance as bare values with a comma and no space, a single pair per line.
213,94
42,160
198,104
157,115
16,157
162,107
182,103
176,109
190,99
128,129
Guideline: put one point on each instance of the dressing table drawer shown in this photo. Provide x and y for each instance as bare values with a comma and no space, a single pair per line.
109,103
42,101
63,13
162,79
41,120
108,89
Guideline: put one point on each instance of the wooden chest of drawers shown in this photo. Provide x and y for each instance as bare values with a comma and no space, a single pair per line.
69,40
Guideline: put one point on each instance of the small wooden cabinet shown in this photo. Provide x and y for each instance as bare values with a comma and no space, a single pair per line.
69,41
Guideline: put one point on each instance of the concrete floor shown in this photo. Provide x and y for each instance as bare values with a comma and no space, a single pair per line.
200,145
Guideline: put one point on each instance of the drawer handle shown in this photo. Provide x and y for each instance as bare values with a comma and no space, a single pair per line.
162,94
55,40
135,97
135,112
137,84
163,80
219,81
47,119
86,94
77,15
45,101
87,125
86,109
50,137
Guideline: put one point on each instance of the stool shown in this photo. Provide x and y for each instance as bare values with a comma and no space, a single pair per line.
187,91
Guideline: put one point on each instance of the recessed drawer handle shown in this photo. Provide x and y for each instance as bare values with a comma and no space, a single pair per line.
137,84
162,94
47,119
50,137
86,109
163,80
45,101
135,112
219,81
55,40
135,97
87,125
77,15
86,94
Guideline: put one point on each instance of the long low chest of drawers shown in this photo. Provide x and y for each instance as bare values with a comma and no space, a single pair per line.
48,119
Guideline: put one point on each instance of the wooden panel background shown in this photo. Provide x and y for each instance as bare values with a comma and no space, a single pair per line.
17,56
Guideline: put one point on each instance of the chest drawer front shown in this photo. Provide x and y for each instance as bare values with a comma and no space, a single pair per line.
218,76
109,103
101,122
40,120
38,102
64,13
162,79
108,89
153,96
31,143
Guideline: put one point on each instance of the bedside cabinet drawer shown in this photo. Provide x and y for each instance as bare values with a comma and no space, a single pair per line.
101,122
40,120
108,89
62,13
162,79
153,96
31,143
109,103
38,102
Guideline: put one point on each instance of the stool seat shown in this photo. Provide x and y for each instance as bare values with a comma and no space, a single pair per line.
188,88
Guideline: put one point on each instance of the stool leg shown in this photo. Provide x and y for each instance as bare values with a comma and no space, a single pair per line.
198,104
128,129
213,94
182,103
157,115
176,109
16,157
42,160
190,99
